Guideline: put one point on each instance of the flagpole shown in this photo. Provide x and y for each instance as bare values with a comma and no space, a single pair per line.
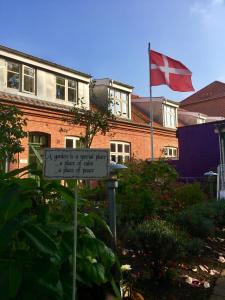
151,106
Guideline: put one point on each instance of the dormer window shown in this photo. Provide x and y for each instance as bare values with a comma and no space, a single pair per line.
67,89
170,116
21,77
119,103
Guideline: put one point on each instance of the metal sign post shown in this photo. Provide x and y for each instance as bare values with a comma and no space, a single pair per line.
75,164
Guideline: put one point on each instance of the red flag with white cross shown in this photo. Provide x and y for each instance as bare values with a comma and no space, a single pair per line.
166,70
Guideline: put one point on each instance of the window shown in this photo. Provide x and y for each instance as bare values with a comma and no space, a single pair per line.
170,152
72,91
72,142
20,77
119,103
28,79
170,119
13,75
60,88
119,152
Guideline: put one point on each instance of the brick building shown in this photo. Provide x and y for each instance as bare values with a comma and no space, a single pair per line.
46,91
210,100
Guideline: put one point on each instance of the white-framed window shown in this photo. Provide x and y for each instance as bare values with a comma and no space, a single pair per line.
119,151
119,103
72,142
170,151
71,90
170,116
21,77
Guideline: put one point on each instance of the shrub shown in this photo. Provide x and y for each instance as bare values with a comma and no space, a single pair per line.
164,242
189,194
199,219
36,242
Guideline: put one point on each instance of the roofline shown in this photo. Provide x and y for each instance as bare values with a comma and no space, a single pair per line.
116,82
40,60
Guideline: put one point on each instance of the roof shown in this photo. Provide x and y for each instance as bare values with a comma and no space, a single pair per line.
40,60
136,98
137,117
213,90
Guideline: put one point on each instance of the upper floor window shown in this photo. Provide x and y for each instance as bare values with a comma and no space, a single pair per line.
119,152
119,103
170,152
21,77
66,89
170,116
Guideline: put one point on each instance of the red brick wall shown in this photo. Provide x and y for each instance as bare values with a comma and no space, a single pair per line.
50,122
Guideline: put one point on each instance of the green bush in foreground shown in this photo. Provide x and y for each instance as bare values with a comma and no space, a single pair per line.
164,242
36,243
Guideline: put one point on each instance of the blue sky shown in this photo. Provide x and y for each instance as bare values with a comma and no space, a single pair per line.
109,38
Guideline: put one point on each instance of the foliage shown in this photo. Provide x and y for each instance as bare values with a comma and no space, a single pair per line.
93,120
36,242
146,189
11,131
202,218
189,194
164,242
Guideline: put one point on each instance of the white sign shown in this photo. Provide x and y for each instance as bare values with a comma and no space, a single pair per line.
76,163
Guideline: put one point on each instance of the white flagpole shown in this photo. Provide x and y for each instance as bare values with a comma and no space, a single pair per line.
151,106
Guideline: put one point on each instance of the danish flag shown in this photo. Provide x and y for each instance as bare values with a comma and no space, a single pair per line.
166,70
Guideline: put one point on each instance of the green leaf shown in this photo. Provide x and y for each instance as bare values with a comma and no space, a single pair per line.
11,204
41,240
15,278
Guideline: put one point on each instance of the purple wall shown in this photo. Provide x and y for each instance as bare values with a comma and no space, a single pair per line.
198,149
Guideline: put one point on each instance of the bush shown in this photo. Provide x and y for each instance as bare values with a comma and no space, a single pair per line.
164,242
189,194
145,190
36,242
201,219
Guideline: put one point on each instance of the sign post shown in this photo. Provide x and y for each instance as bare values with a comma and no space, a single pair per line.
75,164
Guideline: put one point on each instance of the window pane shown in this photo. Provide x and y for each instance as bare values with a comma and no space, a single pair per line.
124,107
113,147
13,67
120,159
124,97
126,159
118,107
69,143
113,158
60,92
120,148
29,71
72,84
60,80
127,148
28,84
78,144
13,80
72,95
117,95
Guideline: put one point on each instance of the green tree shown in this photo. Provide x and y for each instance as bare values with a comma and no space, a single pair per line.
11,133
93,120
